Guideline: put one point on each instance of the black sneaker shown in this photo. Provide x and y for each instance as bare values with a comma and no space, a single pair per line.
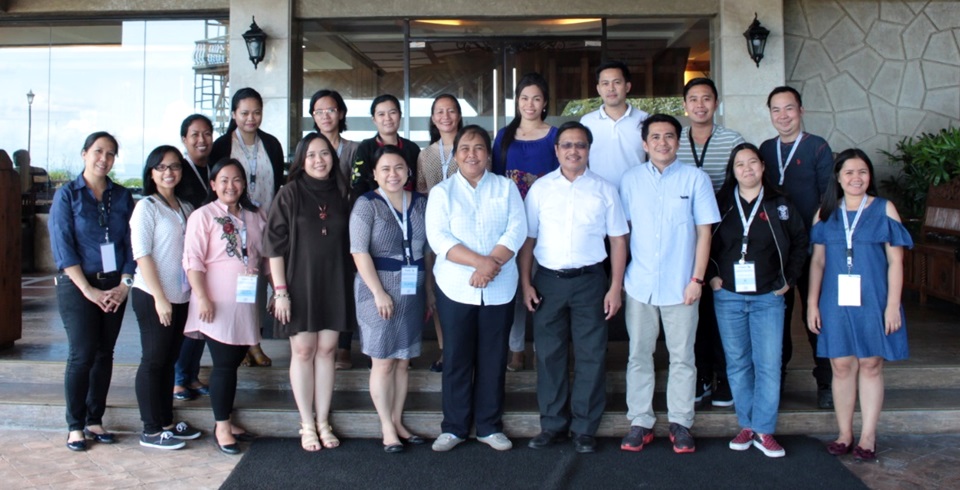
184,432
681,439
636,439
722,396
703,390
163,440
824,397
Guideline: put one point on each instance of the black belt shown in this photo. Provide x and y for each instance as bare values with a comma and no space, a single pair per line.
571,273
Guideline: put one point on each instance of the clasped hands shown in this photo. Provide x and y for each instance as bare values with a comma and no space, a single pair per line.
110,300
487,268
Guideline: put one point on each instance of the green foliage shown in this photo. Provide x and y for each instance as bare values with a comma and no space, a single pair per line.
60,176
657,105
136,183
931,159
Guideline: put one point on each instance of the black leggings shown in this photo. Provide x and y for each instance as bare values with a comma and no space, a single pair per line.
161,348
223,378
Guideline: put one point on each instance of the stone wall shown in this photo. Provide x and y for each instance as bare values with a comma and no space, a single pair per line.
874,71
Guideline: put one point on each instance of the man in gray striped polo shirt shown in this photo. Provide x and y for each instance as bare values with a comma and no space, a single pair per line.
707,145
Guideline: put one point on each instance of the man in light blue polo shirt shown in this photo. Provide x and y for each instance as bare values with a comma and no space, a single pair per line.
671,208
617,145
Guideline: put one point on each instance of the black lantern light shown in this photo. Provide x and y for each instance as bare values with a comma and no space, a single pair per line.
756,36
256,41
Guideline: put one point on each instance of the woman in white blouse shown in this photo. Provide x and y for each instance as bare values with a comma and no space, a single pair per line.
160,295
475,224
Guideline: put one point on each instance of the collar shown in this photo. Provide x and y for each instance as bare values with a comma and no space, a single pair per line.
381,144
626,114
463,180
79,183
676,164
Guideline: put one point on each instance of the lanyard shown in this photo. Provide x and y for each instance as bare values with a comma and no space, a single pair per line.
783,164
407,251
251,158
203,182
693,147
444,161
746,221
104,217
848,229
180,215
339,147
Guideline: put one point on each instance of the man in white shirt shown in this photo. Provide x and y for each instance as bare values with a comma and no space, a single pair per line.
617,144
569,213
671,207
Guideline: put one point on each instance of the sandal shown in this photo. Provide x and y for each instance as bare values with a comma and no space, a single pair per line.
258,356
330,441
248,361
308,437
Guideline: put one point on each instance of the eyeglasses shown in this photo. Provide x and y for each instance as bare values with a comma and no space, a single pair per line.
163,168
102,209
320,112
580,145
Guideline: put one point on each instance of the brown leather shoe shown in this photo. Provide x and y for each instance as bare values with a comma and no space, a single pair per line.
516,362
343,359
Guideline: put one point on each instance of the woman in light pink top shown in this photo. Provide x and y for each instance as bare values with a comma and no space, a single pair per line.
222,256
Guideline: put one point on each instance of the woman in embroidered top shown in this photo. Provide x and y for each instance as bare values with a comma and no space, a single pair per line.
523,152
160,295
90,239
387,240
856,277
308,245
261,156
222,256
434,165
749,282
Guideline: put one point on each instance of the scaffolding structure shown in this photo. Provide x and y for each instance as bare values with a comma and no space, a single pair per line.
211,66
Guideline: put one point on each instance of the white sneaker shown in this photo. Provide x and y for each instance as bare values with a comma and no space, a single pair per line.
446,442
497,440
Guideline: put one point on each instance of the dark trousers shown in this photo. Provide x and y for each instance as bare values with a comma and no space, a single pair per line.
571,309
223,378
91,335
708,349
822,370
161,348
475,342
187,367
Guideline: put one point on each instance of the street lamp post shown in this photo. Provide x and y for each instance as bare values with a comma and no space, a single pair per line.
29,120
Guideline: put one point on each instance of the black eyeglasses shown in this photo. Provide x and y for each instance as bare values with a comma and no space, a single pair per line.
102,209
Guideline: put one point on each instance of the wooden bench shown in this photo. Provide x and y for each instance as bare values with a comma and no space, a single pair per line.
933,266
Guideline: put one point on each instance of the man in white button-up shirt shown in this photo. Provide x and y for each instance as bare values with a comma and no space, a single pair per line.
670,207
569,213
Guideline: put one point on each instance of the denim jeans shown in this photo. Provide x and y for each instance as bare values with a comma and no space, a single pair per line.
751,328
187,368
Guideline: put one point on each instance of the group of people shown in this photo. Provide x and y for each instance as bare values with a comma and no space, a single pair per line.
620,210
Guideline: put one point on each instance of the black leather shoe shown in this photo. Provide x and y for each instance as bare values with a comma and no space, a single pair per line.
825,398
80,445
105,438
231,449
413,440
393,448
584,444
245,436
545,438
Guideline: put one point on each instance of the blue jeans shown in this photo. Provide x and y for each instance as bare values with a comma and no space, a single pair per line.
187,368
751,329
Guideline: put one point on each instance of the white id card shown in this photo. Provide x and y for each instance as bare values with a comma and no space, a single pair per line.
246,288
849,288
108,257
745,277
408,280
184,283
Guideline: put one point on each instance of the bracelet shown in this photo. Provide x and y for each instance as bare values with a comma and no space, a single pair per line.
281,295
697,280
280,288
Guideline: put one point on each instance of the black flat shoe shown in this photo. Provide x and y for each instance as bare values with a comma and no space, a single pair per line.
393,448
231,449
245,436
544,439
78,446
584,444
413,440
105,438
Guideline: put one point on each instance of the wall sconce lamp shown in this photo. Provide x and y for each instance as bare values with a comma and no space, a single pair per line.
756,36
256,41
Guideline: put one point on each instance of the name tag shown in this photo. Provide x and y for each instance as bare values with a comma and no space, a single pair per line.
745,277
108,257
408,280
246,288
849,289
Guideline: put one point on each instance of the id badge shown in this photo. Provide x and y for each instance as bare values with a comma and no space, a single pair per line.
408,280
247,288
849,287
184,282
108,257
745,277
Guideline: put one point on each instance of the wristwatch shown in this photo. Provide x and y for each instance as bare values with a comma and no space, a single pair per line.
127,281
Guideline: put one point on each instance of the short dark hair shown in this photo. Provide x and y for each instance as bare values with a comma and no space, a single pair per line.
659,118
475,130
784,89
834,193
87,143
185,125
19,156
613,64
385,98
156,158
573,125
245,202
341,108
297,169
700,81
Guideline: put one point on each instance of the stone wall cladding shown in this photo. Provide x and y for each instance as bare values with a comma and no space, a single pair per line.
874,71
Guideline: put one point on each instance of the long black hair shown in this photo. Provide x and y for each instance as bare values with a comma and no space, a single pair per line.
834,193
244,93
510,132
725,194
244,202
434,131
298,170
341,108
185,125
156,158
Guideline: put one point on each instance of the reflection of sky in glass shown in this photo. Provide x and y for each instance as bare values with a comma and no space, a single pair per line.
138,91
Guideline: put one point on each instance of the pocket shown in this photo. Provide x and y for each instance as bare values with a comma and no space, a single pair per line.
678,210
